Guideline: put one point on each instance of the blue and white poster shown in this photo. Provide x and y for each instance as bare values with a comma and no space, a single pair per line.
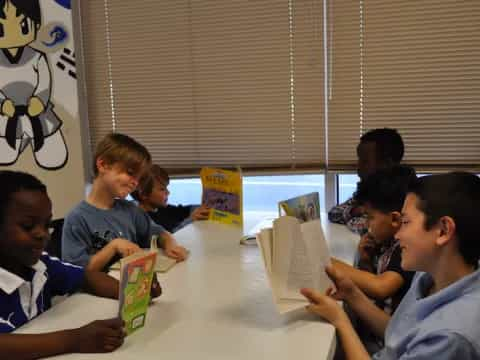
39,111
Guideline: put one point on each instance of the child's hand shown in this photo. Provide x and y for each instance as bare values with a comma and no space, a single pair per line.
156,289
35,106
98,336
176,252
344,287
324,306
200,213
357,211
8,108
367,247
124,247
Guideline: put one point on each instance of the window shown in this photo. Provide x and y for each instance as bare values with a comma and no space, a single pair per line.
261,194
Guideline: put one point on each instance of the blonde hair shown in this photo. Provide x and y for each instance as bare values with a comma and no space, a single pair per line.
118,148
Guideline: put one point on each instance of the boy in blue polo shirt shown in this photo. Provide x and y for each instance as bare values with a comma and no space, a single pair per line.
438,317
29,278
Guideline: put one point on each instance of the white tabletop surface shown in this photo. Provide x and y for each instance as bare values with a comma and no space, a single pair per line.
216,305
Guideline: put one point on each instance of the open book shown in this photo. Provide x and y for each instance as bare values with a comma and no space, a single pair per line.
222,193
295,255
163,262
136,273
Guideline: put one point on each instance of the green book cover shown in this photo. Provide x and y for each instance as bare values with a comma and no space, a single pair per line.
136,273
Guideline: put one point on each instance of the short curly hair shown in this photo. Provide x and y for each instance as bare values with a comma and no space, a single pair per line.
389,144
12,182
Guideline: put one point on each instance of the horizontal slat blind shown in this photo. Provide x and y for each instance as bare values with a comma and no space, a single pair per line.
422,71
344,86
409,65
204,82
96,57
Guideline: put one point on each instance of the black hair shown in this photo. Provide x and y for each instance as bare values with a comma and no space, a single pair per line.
389,144
12,182
386,189
29,8
457,195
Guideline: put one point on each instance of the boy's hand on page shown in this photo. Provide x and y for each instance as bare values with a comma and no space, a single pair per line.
124,247
344,287
200,213
156,289
176,252
324,306
98,336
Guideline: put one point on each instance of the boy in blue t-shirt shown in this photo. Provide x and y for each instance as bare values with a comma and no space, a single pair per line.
438,317
29,278
106,226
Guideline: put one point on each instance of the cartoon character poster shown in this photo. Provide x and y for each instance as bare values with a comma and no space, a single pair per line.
30,49
40,128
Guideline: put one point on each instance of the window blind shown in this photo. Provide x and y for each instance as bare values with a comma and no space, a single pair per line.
415,66
205,82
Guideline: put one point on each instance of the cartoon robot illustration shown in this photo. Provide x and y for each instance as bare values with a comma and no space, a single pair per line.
26,112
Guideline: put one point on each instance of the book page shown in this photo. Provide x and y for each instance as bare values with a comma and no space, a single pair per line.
266,236
318,254
290,265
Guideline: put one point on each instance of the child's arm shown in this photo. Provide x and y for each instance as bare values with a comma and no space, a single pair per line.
200,213
120,246
100,284
96,337
172,249
379,287
330,310
367,250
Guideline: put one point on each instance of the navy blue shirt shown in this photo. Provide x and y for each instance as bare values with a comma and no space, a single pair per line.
23,299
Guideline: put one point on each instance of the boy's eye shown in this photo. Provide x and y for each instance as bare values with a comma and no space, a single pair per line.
24,26
27,226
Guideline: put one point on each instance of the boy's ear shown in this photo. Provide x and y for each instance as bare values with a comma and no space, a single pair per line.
101,165
396,217
446,230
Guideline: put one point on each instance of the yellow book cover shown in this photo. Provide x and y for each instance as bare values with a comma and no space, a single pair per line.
222,193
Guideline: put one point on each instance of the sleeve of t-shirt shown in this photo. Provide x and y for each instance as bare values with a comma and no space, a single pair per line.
441,346
395,265
145,228
75,244
64,278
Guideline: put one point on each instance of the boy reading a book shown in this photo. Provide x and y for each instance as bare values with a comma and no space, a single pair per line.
105,226
29,278
152,196
438,317
380,275
378,149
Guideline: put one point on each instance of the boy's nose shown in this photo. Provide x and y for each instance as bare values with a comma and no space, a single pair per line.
41,233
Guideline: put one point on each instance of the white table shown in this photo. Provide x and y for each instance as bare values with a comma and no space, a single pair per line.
216,305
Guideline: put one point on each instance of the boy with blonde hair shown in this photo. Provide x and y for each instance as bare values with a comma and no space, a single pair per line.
105,226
